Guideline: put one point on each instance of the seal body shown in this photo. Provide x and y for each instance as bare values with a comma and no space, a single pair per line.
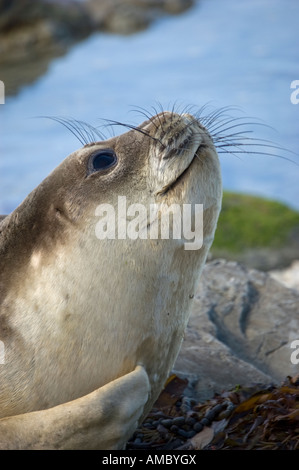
78,311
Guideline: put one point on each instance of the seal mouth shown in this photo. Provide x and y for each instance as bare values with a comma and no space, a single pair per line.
182,176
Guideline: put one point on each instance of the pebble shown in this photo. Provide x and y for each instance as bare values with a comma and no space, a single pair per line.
186,405
198,427
178,421
167,422
205,422
186,434
191,421
161,429
138,440
211,414
148,425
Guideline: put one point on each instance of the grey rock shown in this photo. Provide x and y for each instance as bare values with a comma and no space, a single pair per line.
262,258
34,32
129,16
240,330
289,276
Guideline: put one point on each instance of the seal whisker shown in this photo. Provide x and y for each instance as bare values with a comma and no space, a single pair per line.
91,131
255,141
214,116
83,131
201,110
160,115
68,125
189,109
173,110
219,124
178,150
234,136
111,129
240,124
132,127
230,139
161,107
160,121
73,126
86,135
258,152
146,115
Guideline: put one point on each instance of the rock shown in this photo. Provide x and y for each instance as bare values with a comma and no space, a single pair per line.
262,258
129,16
240,330
41,23
34,32
288,277
127,19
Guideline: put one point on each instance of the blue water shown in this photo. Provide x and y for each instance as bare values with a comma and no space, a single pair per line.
223,52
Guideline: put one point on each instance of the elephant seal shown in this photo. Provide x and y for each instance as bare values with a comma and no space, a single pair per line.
80,311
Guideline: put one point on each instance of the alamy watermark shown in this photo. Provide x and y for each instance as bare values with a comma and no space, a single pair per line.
295,94
2,92
2,353
295,354
157,221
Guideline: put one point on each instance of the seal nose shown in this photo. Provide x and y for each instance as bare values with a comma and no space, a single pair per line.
177,148
176,135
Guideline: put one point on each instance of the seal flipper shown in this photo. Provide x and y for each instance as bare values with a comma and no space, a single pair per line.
104,419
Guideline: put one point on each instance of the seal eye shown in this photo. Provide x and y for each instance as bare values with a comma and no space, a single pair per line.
102,160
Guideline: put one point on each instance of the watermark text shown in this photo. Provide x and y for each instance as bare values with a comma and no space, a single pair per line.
158,221
295,354
295,94
2,353
2,92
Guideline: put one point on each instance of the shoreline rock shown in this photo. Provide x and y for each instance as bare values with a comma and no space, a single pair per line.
33,33
289,277
240,330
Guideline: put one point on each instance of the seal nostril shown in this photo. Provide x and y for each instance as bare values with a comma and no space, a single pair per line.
172,153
